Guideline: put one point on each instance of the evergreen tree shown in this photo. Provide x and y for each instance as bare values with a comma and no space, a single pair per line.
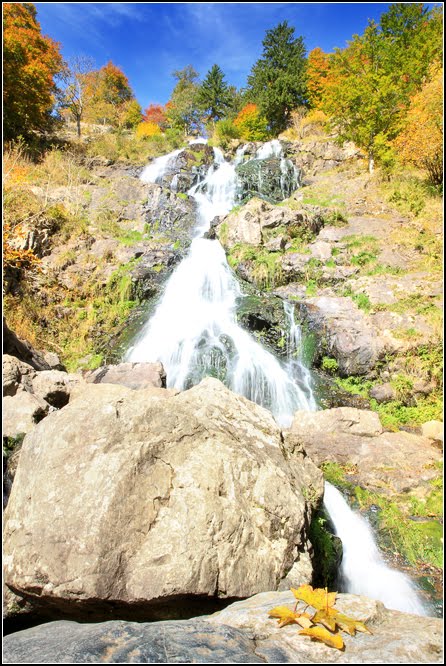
277,83
214,96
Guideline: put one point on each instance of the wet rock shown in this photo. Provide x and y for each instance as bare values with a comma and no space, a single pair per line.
197,498
272,179
188,167
169,216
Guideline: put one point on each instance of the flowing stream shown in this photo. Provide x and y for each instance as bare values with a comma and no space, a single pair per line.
194,333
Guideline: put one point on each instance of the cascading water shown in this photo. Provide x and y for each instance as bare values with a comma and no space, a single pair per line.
363,570
194,331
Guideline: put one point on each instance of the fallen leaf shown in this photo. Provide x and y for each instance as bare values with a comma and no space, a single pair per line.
286,616
321,634
317,598
331,618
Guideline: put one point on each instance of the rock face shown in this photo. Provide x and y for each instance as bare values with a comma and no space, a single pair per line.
272,179
387,462
170,215
188,167
242,633
198,496
343,333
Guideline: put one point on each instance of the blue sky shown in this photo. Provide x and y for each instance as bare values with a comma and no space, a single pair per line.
151,40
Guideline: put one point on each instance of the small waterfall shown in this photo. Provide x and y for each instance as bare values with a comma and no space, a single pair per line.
154,171
363,570
296,364
194,331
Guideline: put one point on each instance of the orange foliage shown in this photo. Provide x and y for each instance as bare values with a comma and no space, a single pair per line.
421,140
155,113
252,125
30,62
317,75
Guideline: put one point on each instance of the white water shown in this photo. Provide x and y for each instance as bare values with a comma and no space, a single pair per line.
194,331
363,570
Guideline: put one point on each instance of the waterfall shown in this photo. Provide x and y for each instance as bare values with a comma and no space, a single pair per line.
296,365
194,331
363,570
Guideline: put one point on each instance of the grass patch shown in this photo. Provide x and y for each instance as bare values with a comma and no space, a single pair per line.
265,267
395,414
335,473
419,543
355,385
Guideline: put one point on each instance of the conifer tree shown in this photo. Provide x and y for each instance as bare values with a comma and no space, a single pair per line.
277,83
214,96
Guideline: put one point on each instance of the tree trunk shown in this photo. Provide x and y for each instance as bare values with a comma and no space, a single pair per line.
371,163
78,122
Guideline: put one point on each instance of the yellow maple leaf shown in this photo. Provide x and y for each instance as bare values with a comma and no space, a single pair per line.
331,618
321,634
317,598
286,616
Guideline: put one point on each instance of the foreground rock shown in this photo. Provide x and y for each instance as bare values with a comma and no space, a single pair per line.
133,375
386,462
198,496
242,633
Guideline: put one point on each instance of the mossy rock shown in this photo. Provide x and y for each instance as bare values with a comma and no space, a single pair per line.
271,179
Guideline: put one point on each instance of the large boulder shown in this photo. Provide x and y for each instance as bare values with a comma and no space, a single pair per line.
133,498
386,462
242,633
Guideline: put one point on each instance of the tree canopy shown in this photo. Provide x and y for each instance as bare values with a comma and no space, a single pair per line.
277,83
30,63
214,96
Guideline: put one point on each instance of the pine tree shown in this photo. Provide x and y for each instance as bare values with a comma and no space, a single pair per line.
214,95
277,83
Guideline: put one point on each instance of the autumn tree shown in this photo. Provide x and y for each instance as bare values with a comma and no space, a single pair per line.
214,96
318,69
421,140
30,63
277,83
155,113
109,95
75,96
182,109
251,125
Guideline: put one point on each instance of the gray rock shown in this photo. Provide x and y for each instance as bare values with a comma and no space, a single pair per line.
16,374
132,375
387,462
197,498
54,386
241,633
193,641
343,332
383,392
22,412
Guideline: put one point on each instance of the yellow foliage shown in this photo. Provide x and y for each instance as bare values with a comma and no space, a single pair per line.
421,140
331,619
147,130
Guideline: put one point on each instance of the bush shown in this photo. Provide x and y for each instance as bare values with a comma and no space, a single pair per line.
148,130
225,131
251,124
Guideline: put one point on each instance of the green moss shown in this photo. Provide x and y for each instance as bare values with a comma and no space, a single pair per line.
327,551
329,365
311,288
395,414
362,301
335,473
265,267
355,385
182,195
223,232
417,542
